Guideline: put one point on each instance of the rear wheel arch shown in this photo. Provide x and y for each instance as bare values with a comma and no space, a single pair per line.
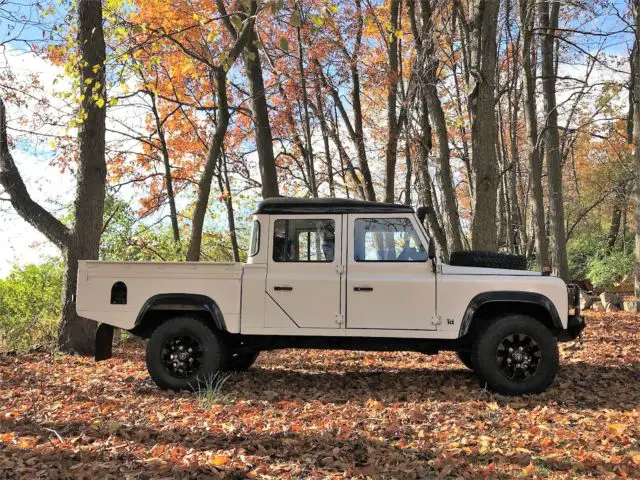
160,308
490,305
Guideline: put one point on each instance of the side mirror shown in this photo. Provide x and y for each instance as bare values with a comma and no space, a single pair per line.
432,249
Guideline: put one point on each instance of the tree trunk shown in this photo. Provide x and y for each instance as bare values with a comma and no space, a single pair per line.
393,127
436,112
225,185
548,26
264,139
424,180
311,171
408,179
215,149
527,15
616,219
166,160
636,134
76,334
483,22
325,139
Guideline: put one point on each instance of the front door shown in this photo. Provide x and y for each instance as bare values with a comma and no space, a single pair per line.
390,282
304,271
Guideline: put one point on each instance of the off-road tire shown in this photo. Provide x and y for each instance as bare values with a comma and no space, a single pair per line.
211,358
465,357
484,355
479,258
240,361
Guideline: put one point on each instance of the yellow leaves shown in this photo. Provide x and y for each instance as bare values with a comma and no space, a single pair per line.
100,102
219,460
617,429
528,470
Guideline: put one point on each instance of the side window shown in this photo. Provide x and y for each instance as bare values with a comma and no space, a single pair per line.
387,240
304,240
255,239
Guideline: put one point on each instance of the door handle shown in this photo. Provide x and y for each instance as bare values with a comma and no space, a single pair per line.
363,289
280,288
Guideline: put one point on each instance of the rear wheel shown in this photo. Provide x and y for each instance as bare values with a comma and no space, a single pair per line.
516,355
184,353
465,358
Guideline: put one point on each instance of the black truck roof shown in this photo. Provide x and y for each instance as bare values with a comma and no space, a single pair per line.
291,206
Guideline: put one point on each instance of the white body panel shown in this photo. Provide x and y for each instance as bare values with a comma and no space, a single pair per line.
219,281
407,300
375,290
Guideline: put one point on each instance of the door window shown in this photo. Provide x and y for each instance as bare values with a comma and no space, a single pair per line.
387,240
304,240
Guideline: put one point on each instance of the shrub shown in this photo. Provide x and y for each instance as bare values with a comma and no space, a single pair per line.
591,258
30,306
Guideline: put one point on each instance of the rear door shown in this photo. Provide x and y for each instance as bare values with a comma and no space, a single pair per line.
390,282
305,269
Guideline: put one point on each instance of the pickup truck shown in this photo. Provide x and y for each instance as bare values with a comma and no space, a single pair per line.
336,274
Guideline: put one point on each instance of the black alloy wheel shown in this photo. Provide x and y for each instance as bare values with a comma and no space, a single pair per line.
181,356
518,356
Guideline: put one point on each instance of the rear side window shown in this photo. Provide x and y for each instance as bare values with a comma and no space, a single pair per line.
304,240
387,240
255,239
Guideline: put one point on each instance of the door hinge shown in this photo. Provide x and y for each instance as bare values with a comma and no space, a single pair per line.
339,269
436,320
339,319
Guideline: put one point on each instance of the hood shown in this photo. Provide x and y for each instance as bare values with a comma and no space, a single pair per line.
457,270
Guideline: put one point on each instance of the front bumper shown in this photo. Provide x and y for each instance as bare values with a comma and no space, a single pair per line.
575,326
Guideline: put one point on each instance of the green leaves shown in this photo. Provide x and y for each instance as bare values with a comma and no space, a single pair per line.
284,44
236,21
295,20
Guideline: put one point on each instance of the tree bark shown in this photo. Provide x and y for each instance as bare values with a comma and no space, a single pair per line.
260,109
166,160
215,149
424,179
483,24
225,189
243,37
548,26
636,134
325,139
76,334
527,15
311,171
393,127
436,113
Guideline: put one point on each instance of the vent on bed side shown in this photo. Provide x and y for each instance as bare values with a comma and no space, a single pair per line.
119,294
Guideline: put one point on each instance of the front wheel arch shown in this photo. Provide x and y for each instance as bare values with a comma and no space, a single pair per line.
485,307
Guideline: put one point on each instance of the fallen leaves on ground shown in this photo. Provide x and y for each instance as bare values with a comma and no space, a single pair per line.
326,414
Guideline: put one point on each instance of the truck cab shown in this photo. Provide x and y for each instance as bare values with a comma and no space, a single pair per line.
341,274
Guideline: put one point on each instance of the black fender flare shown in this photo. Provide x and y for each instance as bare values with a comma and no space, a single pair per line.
202,302
508,297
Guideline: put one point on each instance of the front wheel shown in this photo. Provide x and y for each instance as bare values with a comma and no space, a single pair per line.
516,355
184,353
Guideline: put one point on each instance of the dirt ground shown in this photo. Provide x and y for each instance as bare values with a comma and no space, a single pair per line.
314,414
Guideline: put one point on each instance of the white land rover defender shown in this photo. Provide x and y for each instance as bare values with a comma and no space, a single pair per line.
336,274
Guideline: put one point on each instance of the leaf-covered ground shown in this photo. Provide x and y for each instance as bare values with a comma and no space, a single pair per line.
308,414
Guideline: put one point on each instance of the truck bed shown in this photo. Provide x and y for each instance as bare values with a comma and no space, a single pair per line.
145,280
